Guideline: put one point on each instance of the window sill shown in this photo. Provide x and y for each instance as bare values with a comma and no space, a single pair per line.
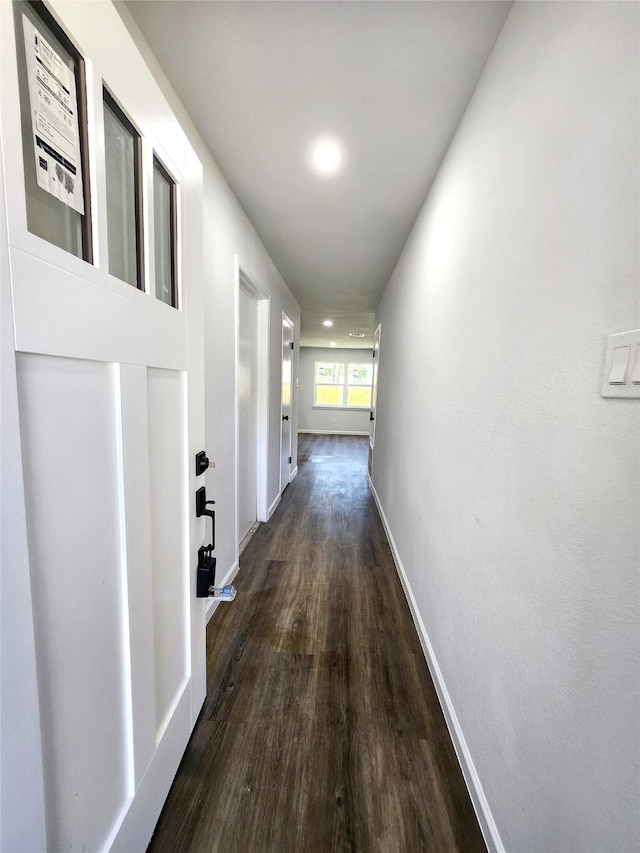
343,408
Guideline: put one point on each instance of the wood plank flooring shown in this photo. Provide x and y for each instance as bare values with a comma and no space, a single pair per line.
321,731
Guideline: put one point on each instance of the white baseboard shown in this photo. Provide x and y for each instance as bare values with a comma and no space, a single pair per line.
476,792
245,541
294,474
332,432
212,603
274,506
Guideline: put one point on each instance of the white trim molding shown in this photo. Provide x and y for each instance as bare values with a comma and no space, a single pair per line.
472,780
274,505
263,301
213,603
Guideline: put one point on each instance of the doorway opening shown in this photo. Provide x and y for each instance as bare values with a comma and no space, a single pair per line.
252,406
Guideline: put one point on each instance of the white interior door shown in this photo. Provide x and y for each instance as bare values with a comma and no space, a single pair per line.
105,384
374,398
374,386
247,412
287,385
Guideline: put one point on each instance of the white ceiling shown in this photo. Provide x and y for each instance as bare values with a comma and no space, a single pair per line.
390,80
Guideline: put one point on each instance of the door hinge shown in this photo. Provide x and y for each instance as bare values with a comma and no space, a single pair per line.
290,460
291,344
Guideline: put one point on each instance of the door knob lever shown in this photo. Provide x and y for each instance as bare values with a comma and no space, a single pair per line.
201,509
202,503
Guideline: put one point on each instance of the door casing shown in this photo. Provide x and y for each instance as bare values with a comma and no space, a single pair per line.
263,300
286,401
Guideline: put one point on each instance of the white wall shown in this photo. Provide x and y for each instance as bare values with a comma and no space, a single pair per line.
227,233
510,487
328,420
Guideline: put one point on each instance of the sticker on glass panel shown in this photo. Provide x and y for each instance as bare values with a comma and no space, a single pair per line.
54,119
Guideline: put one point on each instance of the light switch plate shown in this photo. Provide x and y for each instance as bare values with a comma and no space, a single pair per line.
625,345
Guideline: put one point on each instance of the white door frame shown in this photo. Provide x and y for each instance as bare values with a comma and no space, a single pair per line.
20,738
242,280
374,389
286,321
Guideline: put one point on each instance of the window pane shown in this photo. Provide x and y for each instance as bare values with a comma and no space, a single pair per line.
329,395
53,126
163,189
360,374
120,154
359,396
329,373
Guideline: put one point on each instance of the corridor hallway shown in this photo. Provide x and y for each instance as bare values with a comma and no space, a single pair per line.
321,730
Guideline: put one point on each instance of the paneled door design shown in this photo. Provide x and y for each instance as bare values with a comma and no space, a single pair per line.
103,388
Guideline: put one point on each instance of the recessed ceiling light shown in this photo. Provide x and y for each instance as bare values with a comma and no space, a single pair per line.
326,155
356,335
327,323
333,344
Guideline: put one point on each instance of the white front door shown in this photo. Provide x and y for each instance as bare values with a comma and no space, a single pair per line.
287,384
247,412
106,412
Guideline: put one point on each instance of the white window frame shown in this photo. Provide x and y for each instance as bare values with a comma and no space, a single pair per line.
345,384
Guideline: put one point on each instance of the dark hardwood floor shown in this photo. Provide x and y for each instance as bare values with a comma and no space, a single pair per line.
321,731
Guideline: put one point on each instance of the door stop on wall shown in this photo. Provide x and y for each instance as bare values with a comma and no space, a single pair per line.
223,593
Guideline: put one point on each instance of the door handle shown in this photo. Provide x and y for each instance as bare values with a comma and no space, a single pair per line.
285,417
371,416
201,509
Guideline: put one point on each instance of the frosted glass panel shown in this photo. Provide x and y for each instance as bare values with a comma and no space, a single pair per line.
47,216
163,189
120,154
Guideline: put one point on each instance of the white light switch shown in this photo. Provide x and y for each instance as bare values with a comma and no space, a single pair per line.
618,372
621,377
